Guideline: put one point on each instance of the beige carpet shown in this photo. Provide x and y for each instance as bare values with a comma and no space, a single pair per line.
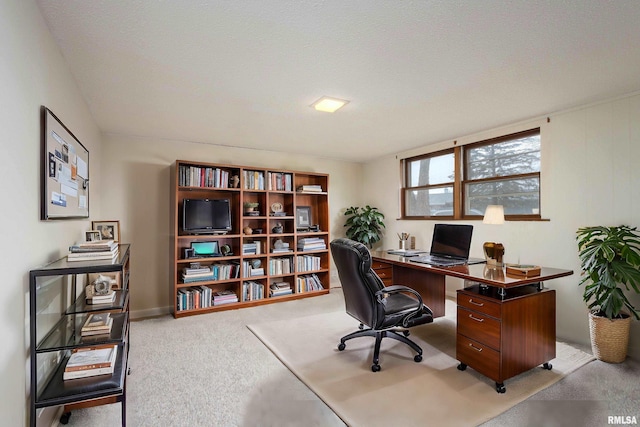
432,392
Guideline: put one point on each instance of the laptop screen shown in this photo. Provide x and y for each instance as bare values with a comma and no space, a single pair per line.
205,248
451,240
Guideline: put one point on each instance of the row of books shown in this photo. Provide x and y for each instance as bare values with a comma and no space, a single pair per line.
194,176
308,283
212,272
252,248
202,297
253,180
308,263
252,291
90,362
311,244
279,181
93,251
251,270
278,266
309,188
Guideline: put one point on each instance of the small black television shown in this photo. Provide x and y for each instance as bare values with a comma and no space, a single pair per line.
206,216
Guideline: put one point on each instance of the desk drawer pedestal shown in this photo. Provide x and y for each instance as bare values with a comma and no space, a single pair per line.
503,337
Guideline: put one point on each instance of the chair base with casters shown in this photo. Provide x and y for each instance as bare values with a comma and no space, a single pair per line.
386,311
388,333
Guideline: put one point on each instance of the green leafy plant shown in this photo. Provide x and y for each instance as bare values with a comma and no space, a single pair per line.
364,225
609,257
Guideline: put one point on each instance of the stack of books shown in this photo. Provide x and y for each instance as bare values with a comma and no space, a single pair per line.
196,274
280,288
252,248
97,324
93,298
309,188
224,297
90,362
311,244
93,251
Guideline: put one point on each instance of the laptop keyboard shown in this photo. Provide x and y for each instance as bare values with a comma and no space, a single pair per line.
434,260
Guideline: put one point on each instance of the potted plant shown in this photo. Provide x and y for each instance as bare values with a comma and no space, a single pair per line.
364,225
610,261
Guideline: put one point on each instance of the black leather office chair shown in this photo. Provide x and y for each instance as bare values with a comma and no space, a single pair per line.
384,310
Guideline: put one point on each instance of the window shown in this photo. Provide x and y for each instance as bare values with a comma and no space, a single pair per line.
461,182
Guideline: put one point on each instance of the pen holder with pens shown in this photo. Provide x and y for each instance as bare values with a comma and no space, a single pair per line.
404,237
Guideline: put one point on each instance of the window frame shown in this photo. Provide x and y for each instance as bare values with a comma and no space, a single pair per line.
461,179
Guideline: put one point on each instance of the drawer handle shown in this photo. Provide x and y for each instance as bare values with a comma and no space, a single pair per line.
474,347
475,318
479,304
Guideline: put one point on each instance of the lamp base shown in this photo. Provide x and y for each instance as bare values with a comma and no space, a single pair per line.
493,253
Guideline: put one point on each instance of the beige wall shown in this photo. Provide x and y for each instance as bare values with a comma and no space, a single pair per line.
137,192
589,176
32,73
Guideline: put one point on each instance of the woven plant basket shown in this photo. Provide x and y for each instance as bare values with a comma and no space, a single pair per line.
609,338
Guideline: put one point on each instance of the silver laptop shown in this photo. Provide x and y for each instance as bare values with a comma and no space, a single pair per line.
450,245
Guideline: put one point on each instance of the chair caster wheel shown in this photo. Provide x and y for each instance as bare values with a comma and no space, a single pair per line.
500,388
64,418
547,366
375,367
361,327
341,346
406,333
462,367
417,358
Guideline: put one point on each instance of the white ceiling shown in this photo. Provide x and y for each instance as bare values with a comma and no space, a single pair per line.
244,72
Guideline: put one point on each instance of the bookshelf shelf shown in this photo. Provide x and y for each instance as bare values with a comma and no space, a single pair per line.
58,310
277,198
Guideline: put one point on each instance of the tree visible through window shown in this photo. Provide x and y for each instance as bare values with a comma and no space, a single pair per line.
501,171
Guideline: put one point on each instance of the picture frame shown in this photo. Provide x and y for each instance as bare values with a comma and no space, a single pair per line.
65,171
92,236
303,217
109,230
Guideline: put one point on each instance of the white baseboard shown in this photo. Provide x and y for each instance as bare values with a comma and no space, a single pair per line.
150,312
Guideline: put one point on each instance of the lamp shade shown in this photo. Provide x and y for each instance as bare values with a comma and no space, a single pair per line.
494,214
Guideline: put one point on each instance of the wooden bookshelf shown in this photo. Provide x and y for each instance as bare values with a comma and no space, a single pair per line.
269,188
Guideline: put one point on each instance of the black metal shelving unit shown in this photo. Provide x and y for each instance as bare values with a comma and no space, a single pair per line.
58,309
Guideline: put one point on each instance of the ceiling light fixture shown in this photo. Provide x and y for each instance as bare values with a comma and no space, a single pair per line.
328,104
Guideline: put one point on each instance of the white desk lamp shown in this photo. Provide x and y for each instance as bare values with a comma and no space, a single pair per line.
493,252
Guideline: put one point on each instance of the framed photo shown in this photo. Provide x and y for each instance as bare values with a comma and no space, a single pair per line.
92,236
109,230
303,216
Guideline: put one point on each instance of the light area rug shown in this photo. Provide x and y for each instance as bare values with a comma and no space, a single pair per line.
406,393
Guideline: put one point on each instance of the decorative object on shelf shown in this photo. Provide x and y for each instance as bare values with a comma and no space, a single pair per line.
277,209
257,231
113,276
251,208
303,217
109,230
225,250
256,263
364,225
234,181
609,259
277,229
493,252
248,230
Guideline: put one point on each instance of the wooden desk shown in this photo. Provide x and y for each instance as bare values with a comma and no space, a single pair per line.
506,325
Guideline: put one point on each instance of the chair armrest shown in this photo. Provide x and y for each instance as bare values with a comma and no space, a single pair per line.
395,289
